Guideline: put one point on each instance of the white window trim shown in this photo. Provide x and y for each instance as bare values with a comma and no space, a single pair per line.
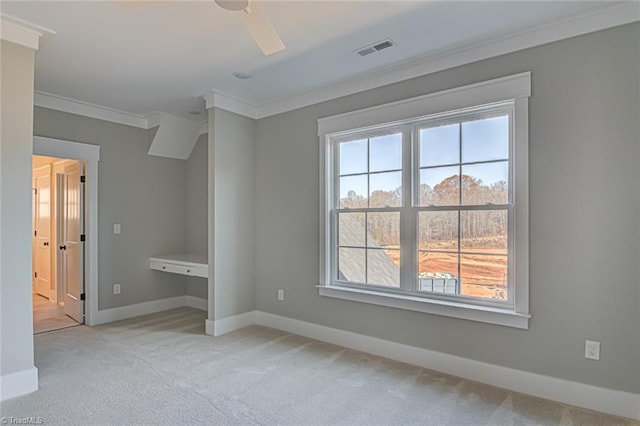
516,88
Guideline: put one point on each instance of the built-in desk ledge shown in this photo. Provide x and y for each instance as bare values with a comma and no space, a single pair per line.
194,265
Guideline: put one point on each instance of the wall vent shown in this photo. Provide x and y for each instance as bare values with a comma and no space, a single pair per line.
375,47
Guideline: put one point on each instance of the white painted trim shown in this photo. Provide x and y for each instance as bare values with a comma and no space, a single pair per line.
91,155
86,109
196,302
509,93
22,32
19,383
66,149
208,327
520,226
465,54
608,401
607,17
138,309
204,127
154,119
216,99
486,92
229,324
470,312
211,223
175,136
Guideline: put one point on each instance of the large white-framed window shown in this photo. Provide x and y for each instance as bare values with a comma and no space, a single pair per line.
424,203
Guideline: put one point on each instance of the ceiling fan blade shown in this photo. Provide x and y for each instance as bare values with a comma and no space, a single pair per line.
260,28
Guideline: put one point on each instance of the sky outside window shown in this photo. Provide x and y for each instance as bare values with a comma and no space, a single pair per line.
482,140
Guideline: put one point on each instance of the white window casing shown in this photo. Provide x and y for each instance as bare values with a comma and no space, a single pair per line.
508,94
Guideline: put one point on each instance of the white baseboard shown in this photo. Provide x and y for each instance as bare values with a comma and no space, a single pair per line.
19,383
609,401
197,302
135,310
229,324
208,327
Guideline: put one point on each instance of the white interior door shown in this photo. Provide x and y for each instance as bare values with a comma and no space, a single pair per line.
34,259
45,286
72,247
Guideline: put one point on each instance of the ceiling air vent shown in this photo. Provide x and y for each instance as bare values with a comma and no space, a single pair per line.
383,45
375,47
366,51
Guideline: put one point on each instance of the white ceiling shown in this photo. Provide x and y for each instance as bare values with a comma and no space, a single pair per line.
164,56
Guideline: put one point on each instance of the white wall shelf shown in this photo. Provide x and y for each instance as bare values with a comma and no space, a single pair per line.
194,265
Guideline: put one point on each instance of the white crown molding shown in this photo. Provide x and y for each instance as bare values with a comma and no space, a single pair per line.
216,99
462,55
153,119
592,21
22,32
60,103
86,109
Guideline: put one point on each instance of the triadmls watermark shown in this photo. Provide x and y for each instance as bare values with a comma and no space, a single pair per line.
29,420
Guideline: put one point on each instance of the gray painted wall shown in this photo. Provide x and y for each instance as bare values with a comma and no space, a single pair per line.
234,149
16,150
196,212
584,216
145,194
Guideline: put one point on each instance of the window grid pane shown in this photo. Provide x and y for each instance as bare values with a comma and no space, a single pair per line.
459,252
369,241
363,184
467,264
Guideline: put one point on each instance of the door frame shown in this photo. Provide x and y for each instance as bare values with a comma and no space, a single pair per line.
90,154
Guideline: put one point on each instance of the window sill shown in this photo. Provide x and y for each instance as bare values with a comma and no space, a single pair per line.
489,315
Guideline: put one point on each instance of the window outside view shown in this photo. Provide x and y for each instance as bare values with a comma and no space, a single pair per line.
461,212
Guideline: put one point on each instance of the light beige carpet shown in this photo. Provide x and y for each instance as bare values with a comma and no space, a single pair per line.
162,370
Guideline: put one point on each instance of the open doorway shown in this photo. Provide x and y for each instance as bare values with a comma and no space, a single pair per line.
58,243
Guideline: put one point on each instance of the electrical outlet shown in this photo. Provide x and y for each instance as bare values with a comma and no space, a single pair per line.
116,228
592,350
280,294
116,289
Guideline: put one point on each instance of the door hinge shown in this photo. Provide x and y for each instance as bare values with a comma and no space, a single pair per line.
35,233
36,274
82,237
81,296
82,179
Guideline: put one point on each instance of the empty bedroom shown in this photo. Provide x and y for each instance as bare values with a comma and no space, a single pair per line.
320,212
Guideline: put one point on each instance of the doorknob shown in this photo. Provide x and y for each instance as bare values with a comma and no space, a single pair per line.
63,247
46,243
